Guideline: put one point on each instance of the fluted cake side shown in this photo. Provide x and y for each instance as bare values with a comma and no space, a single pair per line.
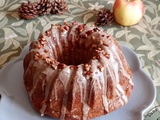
76,72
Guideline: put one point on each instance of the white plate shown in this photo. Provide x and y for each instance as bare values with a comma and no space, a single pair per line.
14,103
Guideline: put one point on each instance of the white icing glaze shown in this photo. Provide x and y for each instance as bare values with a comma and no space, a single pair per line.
112,67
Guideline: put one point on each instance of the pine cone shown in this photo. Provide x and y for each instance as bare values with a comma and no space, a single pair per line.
44,7
28,10
59,7
104,17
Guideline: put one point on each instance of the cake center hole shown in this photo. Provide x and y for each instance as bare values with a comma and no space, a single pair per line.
76,54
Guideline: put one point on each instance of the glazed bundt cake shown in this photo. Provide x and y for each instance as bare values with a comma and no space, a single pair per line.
76,72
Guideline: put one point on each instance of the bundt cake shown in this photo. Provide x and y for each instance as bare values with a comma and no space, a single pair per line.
76,72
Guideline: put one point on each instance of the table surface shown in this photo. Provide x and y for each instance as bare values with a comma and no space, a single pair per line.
143,38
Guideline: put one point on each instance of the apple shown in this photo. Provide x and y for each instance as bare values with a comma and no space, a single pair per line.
128,12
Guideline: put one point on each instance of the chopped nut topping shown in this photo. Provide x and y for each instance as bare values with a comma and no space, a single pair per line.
77,31
37,54
84,35
61,66
66,27
107,55
43,42
36,58
72,67
80,28
44,56
48,33
99,50
46,51
89,32
67,24
98,56
43,38
96,29
101,42
38,46
101,68
52,61
84,72
54,66
93,37
48,60
94,57
87,67
43,102
89,73
94,46
62,29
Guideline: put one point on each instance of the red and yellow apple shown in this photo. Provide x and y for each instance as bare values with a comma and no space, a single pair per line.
128,12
